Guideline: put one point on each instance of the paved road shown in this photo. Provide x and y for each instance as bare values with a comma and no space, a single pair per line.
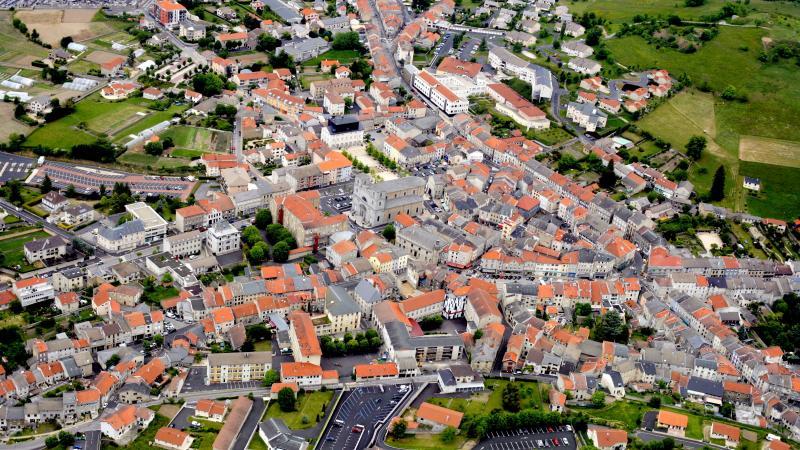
181,420
250,424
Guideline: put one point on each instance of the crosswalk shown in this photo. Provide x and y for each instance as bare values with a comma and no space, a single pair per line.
14,169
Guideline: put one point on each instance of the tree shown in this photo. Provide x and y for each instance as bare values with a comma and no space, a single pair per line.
65,41
51,442
280,252
154,148
19,111
286,399
611,327
448,435
593,36
478,334
13,192
271,377
251,236
158,340
258,252
695,147
267,43
511,397
583,309
47,184
65,439
654,402
113,360
718,185
263,219
281,60
608,179
598,399
399,429
389,232
208,84
347,41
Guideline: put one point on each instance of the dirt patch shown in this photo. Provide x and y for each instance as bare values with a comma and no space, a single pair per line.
10,125
24,60
769,151
169,411
53,24
246,60
100,57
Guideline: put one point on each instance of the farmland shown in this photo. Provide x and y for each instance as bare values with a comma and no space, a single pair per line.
53,24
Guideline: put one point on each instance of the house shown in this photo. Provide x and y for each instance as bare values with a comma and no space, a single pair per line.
33,290
53,201
212,410
438,417
584,66
612,381
173,439
112,67
672,422
607,438
118,90
67,302
364,372
753,184
152,93
39,105
46,249
586,116
729,433
169,13
122,424
231,367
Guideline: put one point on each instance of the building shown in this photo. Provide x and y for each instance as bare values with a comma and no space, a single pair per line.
155,227
439,94
376,204
46,249
586,116
184,244
53,201
540,79
230,367
278,436
173,439
438,417
227,436
672,423
343,313
343,132
33,290
123,423
607,438
212,410
729,433
69,279
223,238
169,13
124,237
303,336
367,372
301,215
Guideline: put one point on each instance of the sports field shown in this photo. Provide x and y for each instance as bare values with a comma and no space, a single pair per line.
769,151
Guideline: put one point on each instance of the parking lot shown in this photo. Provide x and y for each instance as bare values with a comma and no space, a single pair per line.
353,423
336,199
13,167
196,382
560,437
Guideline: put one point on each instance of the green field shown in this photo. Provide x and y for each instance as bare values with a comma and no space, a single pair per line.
195,139
779,197
769,112
13,253
492,398
99,116
145,160
426,441
14,43
343,56
142,442
309,406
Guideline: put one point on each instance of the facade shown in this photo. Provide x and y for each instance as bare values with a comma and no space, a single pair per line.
46,249
155,227
343,132
33,290
223,238
124,237
230,367
184,244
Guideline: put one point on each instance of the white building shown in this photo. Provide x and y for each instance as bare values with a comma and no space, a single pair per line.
541,79
155,227
183,244
440,95
223,238
33,290
123,237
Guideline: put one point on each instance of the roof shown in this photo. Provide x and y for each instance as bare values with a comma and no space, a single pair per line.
673,419
240,408
608,437
376,370
729,431
439,414
171,436
211,407
300,369
306,335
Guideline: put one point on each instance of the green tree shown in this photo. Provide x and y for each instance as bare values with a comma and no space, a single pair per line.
271,377
65,41
399,429
47,184
695,147
51,442
389,232
251,235
347,41
208,84
654,402
718,185
258,252
511,397
608,179
267,43
65,439
154,148
13,192
280,252
286,399
611,327
598,399
263,219
113,360
448,435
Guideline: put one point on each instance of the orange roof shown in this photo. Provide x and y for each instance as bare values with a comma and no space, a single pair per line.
150,371
87,396
306,335
673,419
609,437
376,370
729,431
222,315
104,382
300,369
167,5
21,284
171,436
439,414
211,407
276,387
422,301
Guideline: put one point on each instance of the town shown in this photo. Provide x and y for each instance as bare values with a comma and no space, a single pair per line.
434,224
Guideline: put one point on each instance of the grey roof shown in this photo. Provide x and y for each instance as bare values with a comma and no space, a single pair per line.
71,273
279,436
367,292
338,302
45,244
401,339
125,229
708,387
616,378
283,10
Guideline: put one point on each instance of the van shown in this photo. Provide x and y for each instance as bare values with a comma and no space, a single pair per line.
338,422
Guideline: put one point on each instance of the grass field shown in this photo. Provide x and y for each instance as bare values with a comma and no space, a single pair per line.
769,151
627,415
142,442
99,116
344,57
15,45
492,398
11,249
197,140
309,405
552,136
426,441
779,197
144,160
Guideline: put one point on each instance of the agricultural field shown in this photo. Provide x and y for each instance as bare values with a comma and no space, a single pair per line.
769,151
10,126
143,160
16,49
95,117
53,24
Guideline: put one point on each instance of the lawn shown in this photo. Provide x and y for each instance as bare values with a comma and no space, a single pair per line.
627,415
779,197
492,398
160,293
186,154
309,406
256,443
426,441
343,56
99,116
263,346
552,136
189,138
142,442
145,160
13,253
